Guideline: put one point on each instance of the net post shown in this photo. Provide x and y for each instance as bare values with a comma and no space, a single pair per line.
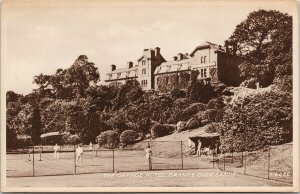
224,160
213,159
181,155
113,152
245,163
33,161
74,159
269,156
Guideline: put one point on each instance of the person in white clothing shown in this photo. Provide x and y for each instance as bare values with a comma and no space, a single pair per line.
199,148
79,155
148,156
91,147
56,148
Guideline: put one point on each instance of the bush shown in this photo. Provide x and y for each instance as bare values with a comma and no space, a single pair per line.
249,83
159,130
194,108
216,103
108,139
192,123
213,128
209,116
23,141
263,119
70,139
219,115
177,93
128,137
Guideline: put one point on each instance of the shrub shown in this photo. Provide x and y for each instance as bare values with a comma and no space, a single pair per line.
263,119
177,93
249,83
209,115
192,123
180,126
159,130
128,137
194,108
216,103
108,139
70,139
219,115
213,127
23,141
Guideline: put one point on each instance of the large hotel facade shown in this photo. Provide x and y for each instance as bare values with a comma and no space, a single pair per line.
213,63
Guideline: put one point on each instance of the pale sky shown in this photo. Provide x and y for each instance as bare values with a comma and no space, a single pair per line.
40,38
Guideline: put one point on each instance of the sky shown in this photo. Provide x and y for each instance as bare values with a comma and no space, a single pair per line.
42,36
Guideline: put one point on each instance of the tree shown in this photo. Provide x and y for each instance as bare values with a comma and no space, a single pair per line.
262,36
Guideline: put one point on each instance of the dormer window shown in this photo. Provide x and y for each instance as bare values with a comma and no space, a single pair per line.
127,74
204,59
109,76
143,62
168,68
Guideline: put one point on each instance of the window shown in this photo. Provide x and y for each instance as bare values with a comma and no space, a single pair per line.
168,68
204,59
143,62
109,76
203,73
201,60
127,74
144,83
118,75
144,72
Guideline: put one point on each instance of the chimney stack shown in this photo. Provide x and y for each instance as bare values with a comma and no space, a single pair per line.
226,46
130,64
113,67
145,52
180,56
175,58
157,51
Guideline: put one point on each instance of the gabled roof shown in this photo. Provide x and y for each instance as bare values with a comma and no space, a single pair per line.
206,44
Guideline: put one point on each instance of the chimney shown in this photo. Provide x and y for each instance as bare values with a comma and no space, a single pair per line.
175,58
157,51
180,56
113,67
226,46
130,64
145,52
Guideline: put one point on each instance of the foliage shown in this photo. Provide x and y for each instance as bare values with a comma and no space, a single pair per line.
23,141
260,120
199,91
249,83
108,139
177,93
215,103
128,137
159,130
194,108
265,40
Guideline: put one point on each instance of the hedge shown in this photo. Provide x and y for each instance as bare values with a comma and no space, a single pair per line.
159,130
128,137
108,139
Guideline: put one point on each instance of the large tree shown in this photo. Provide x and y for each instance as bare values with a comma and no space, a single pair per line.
264,35
265,40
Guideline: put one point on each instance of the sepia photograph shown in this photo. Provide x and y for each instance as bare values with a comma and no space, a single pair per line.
149,96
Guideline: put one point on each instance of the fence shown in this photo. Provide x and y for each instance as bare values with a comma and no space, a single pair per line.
166,155
269,163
